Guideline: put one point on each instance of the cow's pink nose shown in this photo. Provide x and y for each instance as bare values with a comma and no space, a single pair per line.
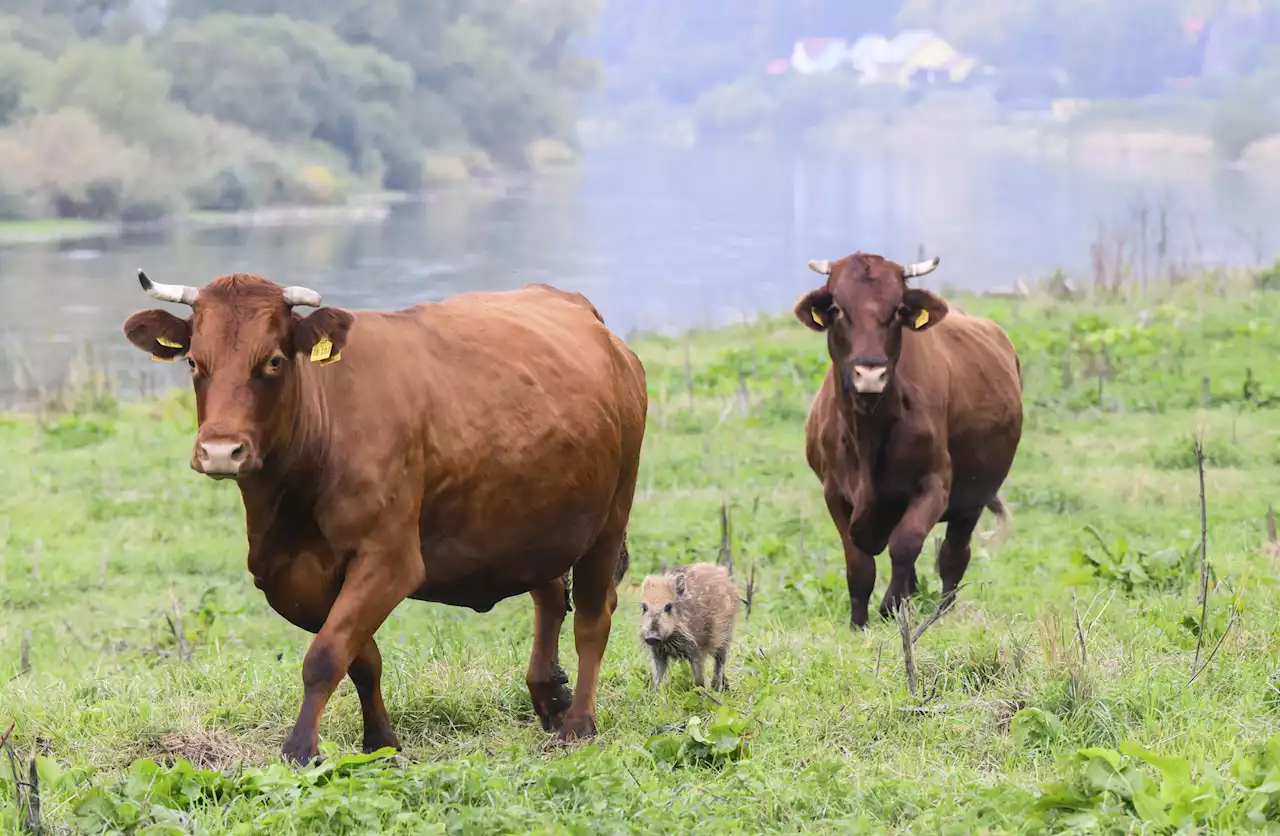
221,459
870,379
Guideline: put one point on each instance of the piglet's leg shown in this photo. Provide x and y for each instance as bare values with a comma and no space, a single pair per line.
695,666
907,540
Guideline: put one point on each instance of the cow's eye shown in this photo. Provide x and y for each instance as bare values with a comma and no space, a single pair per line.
191,364
275,363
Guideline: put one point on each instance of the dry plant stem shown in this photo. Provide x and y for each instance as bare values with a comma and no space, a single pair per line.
1204,562
943,609
4,738
908,657
725,558
1084,654
1214,651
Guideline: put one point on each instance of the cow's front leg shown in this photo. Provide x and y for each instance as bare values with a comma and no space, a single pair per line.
907,540
385,570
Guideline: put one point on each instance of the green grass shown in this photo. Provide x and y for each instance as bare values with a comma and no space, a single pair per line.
105,530
52,229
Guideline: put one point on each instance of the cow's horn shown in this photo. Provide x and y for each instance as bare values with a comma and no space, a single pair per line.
922,268
296,295
823,267
167,292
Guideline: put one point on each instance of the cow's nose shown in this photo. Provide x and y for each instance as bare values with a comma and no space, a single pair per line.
870,380
221,459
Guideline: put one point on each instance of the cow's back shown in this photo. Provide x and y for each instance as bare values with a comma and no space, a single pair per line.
532,420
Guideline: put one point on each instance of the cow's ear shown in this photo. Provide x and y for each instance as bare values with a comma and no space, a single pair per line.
921,310
159,333
814,310
322,335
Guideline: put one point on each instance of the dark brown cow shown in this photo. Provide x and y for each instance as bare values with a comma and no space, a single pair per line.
461,452
916,423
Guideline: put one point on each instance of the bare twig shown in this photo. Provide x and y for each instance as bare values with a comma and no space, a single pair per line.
688,373
4,738
725,558
1084,654
1235,616
33,797
24,657
751,591
1273,543
1204,562
944,606
709,696
175,626
908,658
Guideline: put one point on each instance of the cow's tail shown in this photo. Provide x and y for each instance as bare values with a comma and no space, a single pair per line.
1004,520
624,563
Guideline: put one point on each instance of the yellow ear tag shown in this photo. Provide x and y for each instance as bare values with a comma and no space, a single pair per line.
815,316
320,351
160,359
335,358
167,343
923,319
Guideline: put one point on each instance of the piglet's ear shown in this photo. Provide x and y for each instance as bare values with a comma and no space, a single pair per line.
814,310
680,585
159,333
323,334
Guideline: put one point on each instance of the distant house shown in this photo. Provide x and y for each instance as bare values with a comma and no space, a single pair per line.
913,57
921,56
867,54
812,56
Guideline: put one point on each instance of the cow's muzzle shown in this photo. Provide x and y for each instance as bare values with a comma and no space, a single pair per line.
870,379
223,458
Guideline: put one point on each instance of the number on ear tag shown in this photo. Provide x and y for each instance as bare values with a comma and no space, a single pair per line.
321,350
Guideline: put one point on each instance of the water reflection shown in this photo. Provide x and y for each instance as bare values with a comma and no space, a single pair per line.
658,240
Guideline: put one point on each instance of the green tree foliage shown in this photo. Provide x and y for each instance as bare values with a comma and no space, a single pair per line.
240,103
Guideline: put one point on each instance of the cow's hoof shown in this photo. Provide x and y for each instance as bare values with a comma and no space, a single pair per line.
576,728
299,752
380,740
550,702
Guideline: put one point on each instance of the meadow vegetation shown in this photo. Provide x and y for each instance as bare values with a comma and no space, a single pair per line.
1077,683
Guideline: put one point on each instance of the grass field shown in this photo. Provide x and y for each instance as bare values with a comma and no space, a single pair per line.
139,662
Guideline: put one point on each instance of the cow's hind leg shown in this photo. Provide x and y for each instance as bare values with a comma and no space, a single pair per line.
545,678
366,675
594,600
953,558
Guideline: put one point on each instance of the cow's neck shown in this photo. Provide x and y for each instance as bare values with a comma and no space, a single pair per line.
867,424
293,467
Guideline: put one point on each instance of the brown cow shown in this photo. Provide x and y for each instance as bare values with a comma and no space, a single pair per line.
461,452
916,423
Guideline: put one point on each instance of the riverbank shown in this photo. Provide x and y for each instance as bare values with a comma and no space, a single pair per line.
370,207
132,630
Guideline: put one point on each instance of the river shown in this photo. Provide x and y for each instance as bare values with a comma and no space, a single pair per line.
658,239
